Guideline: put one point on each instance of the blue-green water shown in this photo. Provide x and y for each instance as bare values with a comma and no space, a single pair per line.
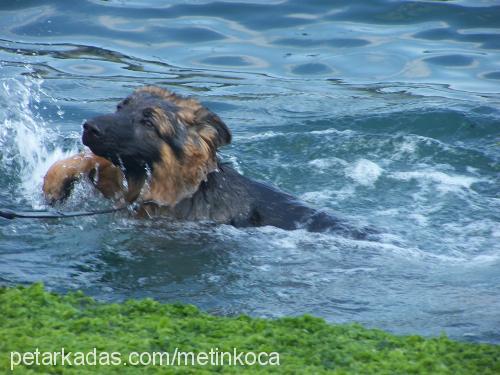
385,112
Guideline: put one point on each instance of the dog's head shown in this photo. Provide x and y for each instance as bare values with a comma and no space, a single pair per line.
173,138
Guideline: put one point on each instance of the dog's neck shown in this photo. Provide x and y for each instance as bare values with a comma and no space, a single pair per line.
167,189
223,197
168,183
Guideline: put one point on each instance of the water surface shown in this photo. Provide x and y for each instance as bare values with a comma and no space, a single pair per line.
384,112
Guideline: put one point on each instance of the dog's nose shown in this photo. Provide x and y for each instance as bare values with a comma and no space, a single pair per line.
91,128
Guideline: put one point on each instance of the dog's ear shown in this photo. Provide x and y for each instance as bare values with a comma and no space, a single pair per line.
212,129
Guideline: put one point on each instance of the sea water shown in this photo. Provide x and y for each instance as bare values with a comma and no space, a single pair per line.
386,113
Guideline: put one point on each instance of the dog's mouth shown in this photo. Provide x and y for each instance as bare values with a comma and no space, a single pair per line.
116,143
131,166
92,141
92,137
88,140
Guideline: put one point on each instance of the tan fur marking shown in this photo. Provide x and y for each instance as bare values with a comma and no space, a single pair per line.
173,180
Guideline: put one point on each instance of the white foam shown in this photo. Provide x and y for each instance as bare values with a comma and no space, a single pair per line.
234,163
496,231
364,172
323,197
317,197
24,136
420,219
327,163
445,182
289,246
333,131
260,136
407,148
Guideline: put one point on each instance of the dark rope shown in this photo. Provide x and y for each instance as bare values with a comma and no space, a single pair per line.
44,214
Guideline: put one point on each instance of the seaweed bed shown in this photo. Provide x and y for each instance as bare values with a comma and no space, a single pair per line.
34,318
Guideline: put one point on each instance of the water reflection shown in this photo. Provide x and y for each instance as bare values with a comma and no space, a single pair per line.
289,38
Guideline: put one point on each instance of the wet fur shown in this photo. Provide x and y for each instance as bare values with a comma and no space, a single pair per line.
159,150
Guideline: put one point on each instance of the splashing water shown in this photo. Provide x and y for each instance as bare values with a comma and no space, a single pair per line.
27,143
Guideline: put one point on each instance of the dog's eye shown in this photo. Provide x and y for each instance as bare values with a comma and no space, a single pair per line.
147,123
147,117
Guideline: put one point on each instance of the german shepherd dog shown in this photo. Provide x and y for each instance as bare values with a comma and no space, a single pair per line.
158,150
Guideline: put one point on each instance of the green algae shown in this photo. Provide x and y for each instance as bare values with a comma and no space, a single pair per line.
32,318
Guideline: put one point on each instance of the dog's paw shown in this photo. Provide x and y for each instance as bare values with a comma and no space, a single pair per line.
59,181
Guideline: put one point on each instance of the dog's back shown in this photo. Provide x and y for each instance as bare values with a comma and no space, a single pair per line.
231,198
